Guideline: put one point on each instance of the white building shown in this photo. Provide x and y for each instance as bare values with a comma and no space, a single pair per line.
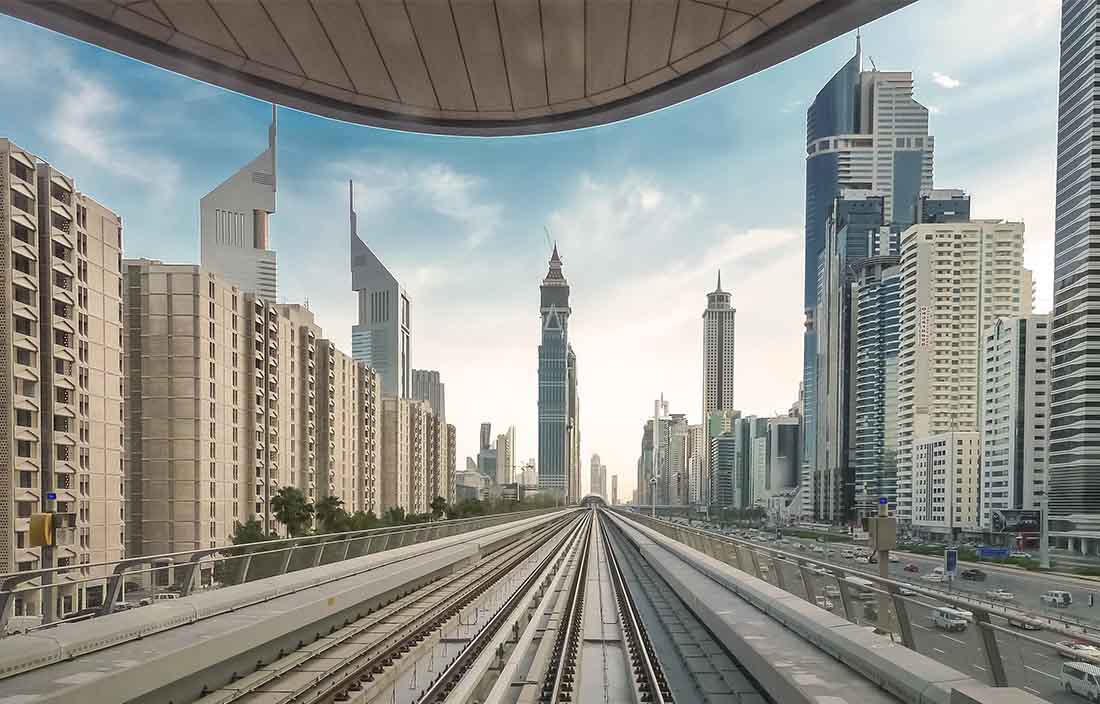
697,462
233,224
946,472
506,456
597,483
957,279
1015,410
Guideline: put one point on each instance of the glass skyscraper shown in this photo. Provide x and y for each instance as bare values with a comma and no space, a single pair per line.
864,132
554,413
1074,450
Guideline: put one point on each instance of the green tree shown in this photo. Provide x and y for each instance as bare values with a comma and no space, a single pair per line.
393,516
331,515
439,505
363,521
292,510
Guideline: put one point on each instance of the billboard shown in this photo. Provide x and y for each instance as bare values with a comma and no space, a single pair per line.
1014,520
950,561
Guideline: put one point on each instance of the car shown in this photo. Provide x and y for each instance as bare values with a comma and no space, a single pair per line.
824,603
906,591
894,558
932,577
947,618
1074,648
999,595
910,567
1020,554
799,546
123,606
818,548
1056,598
1025,625
863,560
973,574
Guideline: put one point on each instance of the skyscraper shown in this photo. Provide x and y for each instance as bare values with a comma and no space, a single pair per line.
506,456
598,478
233,225
427,386
614,498
1015,410
865,132
1075,436
554,411
383,336
957,279
718,350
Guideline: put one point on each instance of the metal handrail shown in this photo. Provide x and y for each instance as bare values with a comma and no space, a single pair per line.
704,541
188,561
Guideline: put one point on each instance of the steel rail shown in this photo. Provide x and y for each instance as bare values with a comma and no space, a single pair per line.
557,684
375,658
644,660
441,688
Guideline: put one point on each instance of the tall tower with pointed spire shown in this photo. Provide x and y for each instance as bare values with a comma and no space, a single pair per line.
557,385
383,336
233,227
718,350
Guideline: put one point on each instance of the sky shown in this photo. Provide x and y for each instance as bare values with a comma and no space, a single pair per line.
645,212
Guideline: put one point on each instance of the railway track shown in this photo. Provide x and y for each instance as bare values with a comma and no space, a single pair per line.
346,663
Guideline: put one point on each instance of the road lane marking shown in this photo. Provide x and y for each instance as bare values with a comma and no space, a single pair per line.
960,642
1044,674
917,625
941,652
1045,657
979,667
1032,689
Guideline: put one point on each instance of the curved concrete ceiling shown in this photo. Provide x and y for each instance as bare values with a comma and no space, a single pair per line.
470,67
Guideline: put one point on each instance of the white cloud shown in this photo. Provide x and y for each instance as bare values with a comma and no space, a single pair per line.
945,81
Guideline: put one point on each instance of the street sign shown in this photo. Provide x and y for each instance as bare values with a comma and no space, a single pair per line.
986,551
882,501
950,561
52,496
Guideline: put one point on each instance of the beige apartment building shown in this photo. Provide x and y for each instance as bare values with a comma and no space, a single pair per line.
297,408
368,488
61,419
187,434
416,456
958,278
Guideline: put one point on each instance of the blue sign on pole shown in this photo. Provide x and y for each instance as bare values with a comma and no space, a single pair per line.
950,561
52,496
882,501
985,551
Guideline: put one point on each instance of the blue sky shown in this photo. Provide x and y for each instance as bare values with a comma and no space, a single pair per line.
644,211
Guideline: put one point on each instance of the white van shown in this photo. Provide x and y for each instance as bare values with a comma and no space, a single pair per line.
1056,598
1082,678
948,619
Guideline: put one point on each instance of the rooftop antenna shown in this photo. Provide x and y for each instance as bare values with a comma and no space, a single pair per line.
546,232
872,60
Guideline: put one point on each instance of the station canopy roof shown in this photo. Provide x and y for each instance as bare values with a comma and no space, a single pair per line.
468,67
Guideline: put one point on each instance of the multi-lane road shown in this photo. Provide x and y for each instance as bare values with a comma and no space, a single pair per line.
1034,666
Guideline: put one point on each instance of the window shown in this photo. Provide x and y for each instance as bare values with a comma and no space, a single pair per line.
24,448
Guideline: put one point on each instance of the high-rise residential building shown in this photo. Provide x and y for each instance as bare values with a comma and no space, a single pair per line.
452,462
339,472
725,466
293,381
233,223
864,132
876,303
382,338
486,436
439,478
958,278
506,456
1015,396
529,476
555,441
369,483
421,423
1074,451
597,481
61,371
189,439
679,450
696,464
614,490
719,488
946,475
426,386
396,468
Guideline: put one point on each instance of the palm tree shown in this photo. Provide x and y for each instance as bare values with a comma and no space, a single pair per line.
439,505
292,510
330,513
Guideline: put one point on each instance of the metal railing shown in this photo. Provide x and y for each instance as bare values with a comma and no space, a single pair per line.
148,578
889,606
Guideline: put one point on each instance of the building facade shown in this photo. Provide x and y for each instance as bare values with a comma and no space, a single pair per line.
1074,454
614,499
1015,412
555,446
598,478
506,456
233,223
946,476
188,448
864,132
957,279
61,376
382,339
426,386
